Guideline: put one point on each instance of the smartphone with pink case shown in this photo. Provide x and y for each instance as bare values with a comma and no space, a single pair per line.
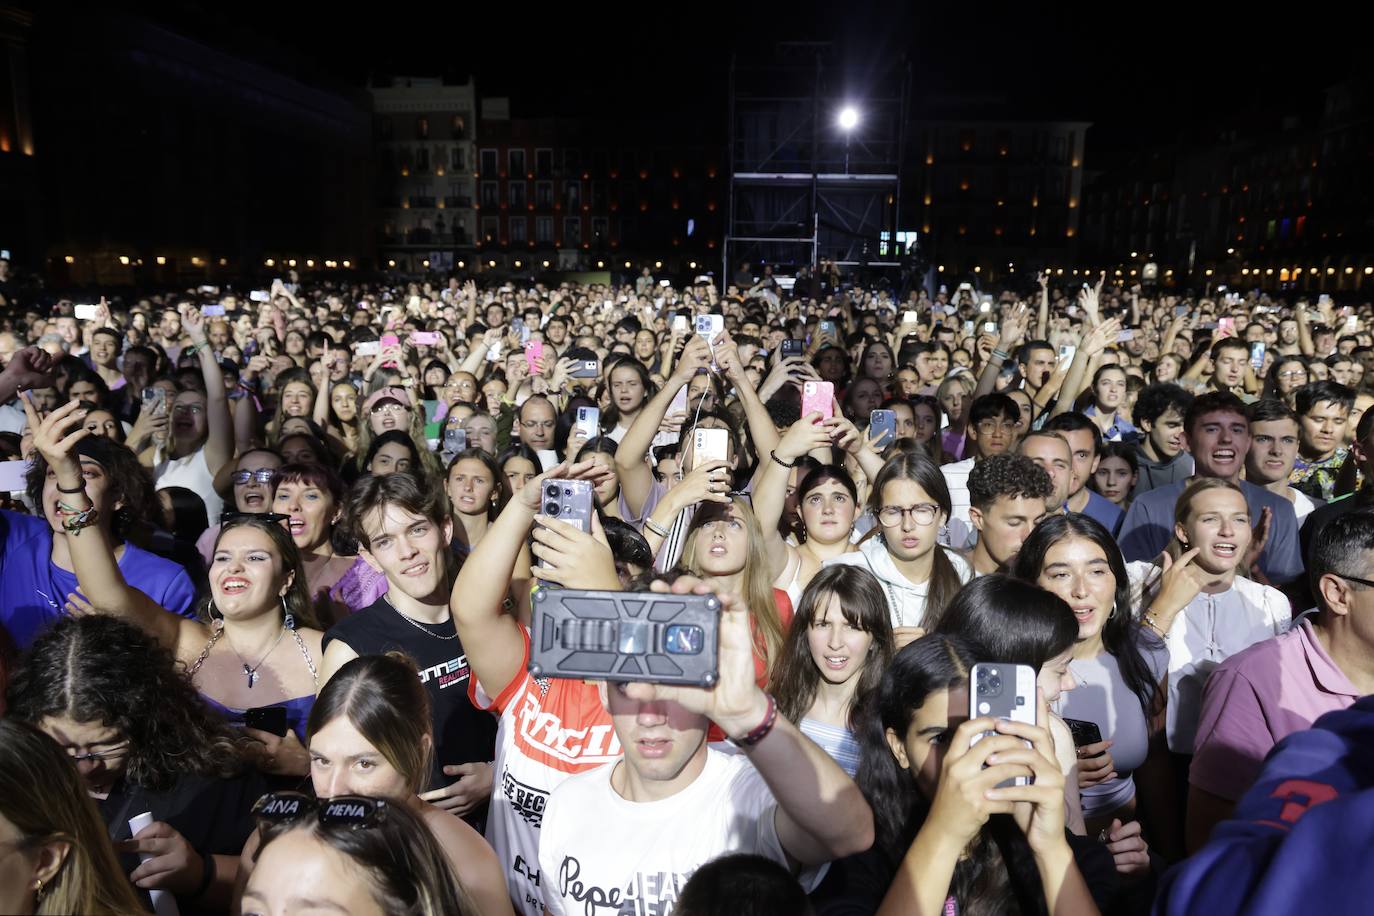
819,397
534,351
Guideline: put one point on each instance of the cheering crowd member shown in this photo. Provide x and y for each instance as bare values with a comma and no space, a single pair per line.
1025,432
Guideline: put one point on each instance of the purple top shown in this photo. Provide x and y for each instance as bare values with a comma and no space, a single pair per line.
359,587
954,444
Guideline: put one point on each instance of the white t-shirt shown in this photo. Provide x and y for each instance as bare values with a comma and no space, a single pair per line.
548,730
602,854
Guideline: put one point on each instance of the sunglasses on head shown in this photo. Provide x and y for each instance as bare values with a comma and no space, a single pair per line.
262,475
231,516
353,811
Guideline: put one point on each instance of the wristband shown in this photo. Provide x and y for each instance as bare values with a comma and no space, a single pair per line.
772,453
207,876
80,489
1001,354
760,731
656,528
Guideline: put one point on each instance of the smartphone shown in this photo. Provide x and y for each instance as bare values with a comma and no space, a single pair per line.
710,445
260,295
665,283
213,310
271,719
585,368
793,346
414,302
390,340
818,396
1324,299
155,401
534,351
1226,324
827,329
625,636
679,324
1083,731
1257,355
985,305
1352,324
1180,311
588,422
494,353
1004,691
710,326
87,312
568,501
989,327
424,338
12,475
517,326
882,424
455,439
367,347
910,317
1125,334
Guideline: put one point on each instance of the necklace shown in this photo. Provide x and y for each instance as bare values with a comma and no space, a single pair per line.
416,624
252,673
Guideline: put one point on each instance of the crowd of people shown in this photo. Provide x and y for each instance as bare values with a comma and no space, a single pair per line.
269,559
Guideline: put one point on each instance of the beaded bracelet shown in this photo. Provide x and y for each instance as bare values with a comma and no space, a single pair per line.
763,728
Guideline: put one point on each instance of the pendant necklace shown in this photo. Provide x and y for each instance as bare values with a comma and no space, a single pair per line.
251,671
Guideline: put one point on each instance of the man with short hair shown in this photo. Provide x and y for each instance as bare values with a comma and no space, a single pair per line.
991,430
1036,362
404,532
1218,433
1273,449
535,422
1085,444
1008,495
1230,364
672,804
1161,452
1052,452
1323,410
1256,698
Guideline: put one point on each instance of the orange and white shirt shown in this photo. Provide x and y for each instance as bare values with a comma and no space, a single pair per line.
549,729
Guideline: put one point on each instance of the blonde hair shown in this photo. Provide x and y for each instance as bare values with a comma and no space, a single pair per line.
756,583
42,795
1183,509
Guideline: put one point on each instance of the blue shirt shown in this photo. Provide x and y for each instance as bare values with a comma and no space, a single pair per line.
1300,838
1149,526
1105,512
34,593
1121,430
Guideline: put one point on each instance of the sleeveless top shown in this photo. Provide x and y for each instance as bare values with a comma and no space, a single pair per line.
297,712
194,474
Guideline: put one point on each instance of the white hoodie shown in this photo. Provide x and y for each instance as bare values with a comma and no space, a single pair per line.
905,599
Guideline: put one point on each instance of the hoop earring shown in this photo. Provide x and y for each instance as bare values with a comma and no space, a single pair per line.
288,619
214,613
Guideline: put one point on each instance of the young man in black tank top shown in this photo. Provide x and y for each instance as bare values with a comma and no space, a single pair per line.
403,532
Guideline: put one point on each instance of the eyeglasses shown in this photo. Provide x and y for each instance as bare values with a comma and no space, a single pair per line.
1357,579
992,426
352,811
230,517
262,475
117,751
1294,373
892,516
389,407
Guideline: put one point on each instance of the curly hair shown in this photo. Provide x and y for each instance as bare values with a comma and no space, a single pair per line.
1007,475
128,483
100,669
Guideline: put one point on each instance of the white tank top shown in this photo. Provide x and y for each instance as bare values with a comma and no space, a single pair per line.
192,473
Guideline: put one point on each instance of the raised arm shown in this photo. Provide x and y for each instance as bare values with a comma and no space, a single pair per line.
1084,360
770,489
1042,318
1011,335
219,441
761,428
92,553
28,368
636,477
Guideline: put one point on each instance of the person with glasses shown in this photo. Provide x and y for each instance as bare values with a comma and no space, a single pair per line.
201,432
535,424
392,409
1286,376
252,479
143,740
353,854
261,649
994,424
106,490
919,577
370,736
54,854
1259,696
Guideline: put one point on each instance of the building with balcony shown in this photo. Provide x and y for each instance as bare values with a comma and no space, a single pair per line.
595,194
423,133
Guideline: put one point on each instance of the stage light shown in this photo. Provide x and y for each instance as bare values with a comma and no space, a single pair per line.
849,118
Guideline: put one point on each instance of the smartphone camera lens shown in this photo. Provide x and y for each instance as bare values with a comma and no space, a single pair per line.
551,509
551,491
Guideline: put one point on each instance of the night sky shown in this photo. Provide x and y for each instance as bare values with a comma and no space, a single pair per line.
1139,75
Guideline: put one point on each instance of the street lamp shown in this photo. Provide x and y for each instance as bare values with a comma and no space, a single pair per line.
848,119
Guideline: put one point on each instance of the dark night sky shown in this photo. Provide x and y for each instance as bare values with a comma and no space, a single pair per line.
1138,75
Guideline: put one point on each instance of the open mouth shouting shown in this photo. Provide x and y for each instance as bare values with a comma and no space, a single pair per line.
1225,550
234,585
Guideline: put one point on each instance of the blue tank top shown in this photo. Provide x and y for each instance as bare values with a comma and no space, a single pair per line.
297,712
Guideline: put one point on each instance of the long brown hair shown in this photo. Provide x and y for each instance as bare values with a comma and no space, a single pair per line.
917,467
865,607
382,697
756,583
42,795
296,601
